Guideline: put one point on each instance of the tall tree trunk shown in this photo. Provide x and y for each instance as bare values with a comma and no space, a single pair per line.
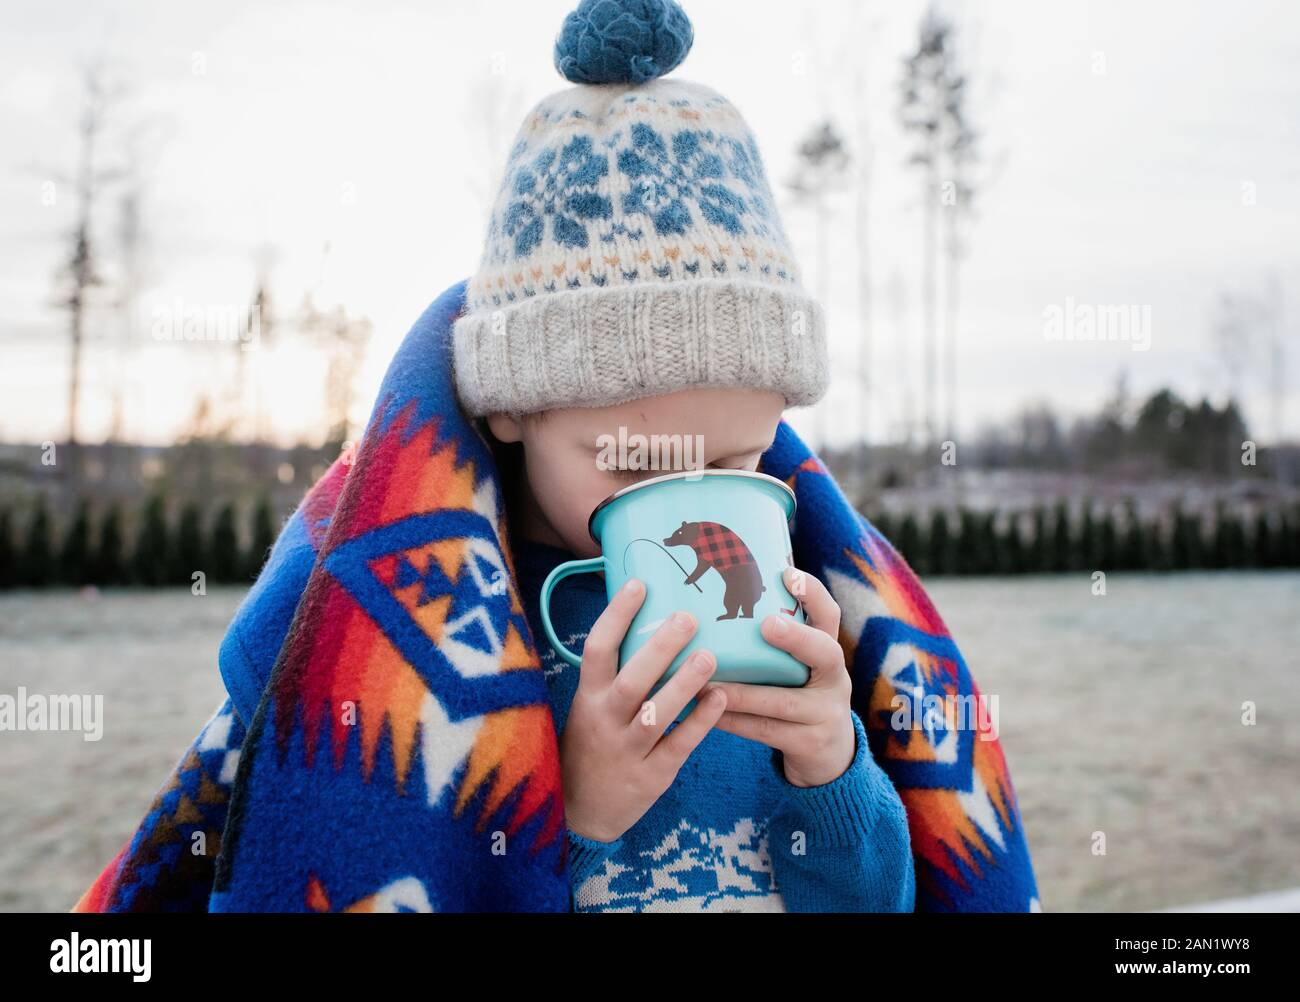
73,458
823,294
929,251
82,264
950,323
862,233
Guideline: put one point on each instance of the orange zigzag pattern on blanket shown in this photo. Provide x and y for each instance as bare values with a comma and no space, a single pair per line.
407,472
939,823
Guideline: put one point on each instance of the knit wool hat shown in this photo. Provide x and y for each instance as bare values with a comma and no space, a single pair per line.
634,247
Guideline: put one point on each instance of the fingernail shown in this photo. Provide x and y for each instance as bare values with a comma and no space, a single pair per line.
632,586
702,661
682,620
776,625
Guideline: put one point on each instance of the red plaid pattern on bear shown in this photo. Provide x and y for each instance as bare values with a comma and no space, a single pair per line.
720,546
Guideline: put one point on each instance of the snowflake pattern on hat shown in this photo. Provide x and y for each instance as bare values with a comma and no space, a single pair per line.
669,168
669,175
557,185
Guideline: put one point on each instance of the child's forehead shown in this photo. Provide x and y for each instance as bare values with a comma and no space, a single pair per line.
724,421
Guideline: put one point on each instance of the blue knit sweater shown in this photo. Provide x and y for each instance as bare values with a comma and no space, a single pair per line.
731,833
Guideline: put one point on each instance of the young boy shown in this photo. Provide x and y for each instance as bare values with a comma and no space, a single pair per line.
636,281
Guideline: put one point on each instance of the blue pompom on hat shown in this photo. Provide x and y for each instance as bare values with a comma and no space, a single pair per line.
634,246
605,41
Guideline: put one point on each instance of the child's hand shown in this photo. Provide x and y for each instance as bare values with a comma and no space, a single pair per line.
613,752
811,726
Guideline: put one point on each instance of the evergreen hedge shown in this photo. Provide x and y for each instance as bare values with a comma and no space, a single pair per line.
155,548
163,545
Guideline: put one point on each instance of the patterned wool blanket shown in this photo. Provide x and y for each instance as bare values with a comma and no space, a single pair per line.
387,743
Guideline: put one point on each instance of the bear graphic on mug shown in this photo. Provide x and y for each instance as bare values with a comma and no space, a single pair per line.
718,547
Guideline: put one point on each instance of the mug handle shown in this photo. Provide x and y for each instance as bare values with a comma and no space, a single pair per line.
555,577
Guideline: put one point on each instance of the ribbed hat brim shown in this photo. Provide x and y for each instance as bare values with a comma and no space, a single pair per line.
604,346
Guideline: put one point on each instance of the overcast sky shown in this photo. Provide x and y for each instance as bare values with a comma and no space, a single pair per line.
1143,154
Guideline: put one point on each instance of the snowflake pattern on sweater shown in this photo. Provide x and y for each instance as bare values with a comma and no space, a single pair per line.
691,869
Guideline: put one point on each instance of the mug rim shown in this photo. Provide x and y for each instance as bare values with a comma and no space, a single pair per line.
681,475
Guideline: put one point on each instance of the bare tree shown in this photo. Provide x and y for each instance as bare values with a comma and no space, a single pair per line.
138,152
970,172
845,62
1248,338
896,294
932,108
1277,356
130,247
1235,331
81,272
821,168
344,340
246,413
958,195
921,110
860,40
492,111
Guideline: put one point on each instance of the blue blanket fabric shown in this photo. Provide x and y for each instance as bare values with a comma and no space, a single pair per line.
388,745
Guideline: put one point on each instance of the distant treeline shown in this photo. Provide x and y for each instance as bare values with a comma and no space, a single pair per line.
1162,437
1162,434
104,547
1043,541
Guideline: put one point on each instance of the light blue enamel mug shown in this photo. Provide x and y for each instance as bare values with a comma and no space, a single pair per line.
713,542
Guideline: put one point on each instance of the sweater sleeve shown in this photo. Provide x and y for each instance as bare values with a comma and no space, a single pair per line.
586,857
843,846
